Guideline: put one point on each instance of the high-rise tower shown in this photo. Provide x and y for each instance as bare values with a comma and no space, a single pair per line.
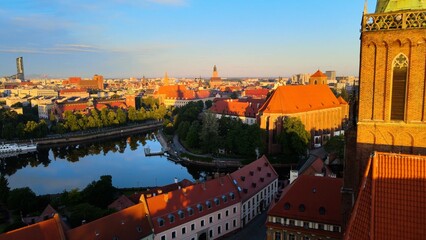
20,69
215,81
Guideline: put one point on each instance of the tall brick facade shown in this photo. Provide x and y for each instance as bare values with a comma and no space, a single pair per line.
392,96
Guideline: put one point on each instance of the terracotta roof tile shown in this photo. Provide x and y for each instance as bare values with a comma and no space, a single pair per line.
129,223
392,199
319,74
254,177
182,92
247,108
313,193
162,207
46,230
121,203
300,98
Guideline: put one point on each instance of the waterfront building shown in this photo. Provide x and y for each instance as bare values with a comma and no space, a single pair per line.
320,111
308,209
207,210
257,184
243,109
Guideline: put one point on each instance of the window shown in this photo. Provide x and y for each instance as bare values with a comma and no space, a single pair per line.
306,225
183,230
200,207
173,235
193,227
291,237
208,204
322,211
160,222
210,219
232,195
226,226
163,237
336,229
291,223
218,216
181,214
226,213
211,233
190,211
234,223
224,198
399,82
219,230
171,218
320,226
306,238
234,210
202,223
277,236
216,201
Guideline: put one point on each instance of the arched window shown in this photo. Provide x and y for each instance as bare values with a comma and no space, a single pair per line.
399,85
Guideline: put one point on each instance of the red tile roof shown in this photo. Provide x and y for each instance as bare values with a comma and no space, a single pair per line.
317,167
254,177
182,92
47,213
46,230
318,74
247,108
121,203
259,93
185,200
313,193
130,223
392,199
300,98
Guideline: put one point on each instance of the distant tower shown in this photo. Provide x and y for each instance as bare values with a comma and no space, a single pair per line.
99,79
166,80
215,81
318,78
20,68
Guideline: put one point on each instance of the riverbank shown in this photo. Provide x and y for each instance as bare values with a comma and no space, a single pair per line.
91,135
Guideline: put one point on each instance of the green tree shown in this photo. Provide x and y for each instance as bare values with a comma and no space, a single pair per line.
294,138
209,133
183,129
132,114
4,189
208,104
121,116
336,145
100,193
22,199
344,94
192,138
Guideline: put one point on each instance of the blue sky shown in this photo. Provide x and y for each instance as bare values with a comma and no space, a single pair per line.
135,38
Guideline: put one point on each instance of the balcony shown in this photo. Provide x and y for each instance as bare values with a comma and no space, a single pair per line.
394,21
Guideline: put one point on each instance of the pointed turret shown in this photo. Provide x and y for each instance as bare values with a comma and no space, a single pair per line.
215,74
166,80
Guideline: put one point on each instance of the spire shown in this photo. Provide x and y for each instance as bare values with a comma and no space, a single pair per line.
166,79
365,7
214,68
215,74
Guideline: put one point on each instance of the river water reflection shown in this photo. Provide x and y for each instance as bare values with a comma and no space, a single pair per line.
56,169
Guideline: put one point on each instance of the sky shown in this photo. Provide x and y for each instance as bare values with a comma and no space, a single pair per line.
185,38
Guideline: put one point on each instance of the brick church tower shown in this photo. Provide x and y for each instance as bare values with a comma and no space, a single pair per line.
392,95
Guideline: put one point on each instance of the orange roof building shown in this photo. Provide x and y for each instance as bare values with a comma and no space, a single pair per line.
215,80
318,78
308,209
392,198
320,111
180,95
50,229
130,223
257,184
244,109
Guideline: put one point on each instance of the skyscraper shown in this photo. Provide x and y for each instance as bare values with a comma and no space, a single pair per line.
20,69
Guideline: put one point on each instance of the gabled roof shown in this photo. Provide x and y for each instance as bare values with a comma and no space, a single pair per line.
184,201
260,92
254,177
182,92
121,203
46,230
48,212
392,199
129,223
300,98
318,74
244,108
311,198
341,100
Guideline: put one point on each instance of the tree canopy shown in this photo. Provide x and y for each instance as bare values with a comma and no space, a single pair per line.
294,138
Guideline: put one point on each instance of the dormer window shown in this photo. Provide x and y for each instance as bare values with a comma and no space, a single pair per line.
259,169
243,178
181,214
232,195
171,218
287,206
160,222
302,208
200,207
321,211
208,204
216,201
190,211
251,173
224,198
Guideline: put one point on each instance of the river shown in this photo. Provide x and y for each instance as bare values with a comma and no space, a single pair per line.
53,170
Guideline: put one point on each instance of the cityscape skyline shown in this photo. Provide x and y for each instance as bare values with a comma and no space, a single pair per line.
121,38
